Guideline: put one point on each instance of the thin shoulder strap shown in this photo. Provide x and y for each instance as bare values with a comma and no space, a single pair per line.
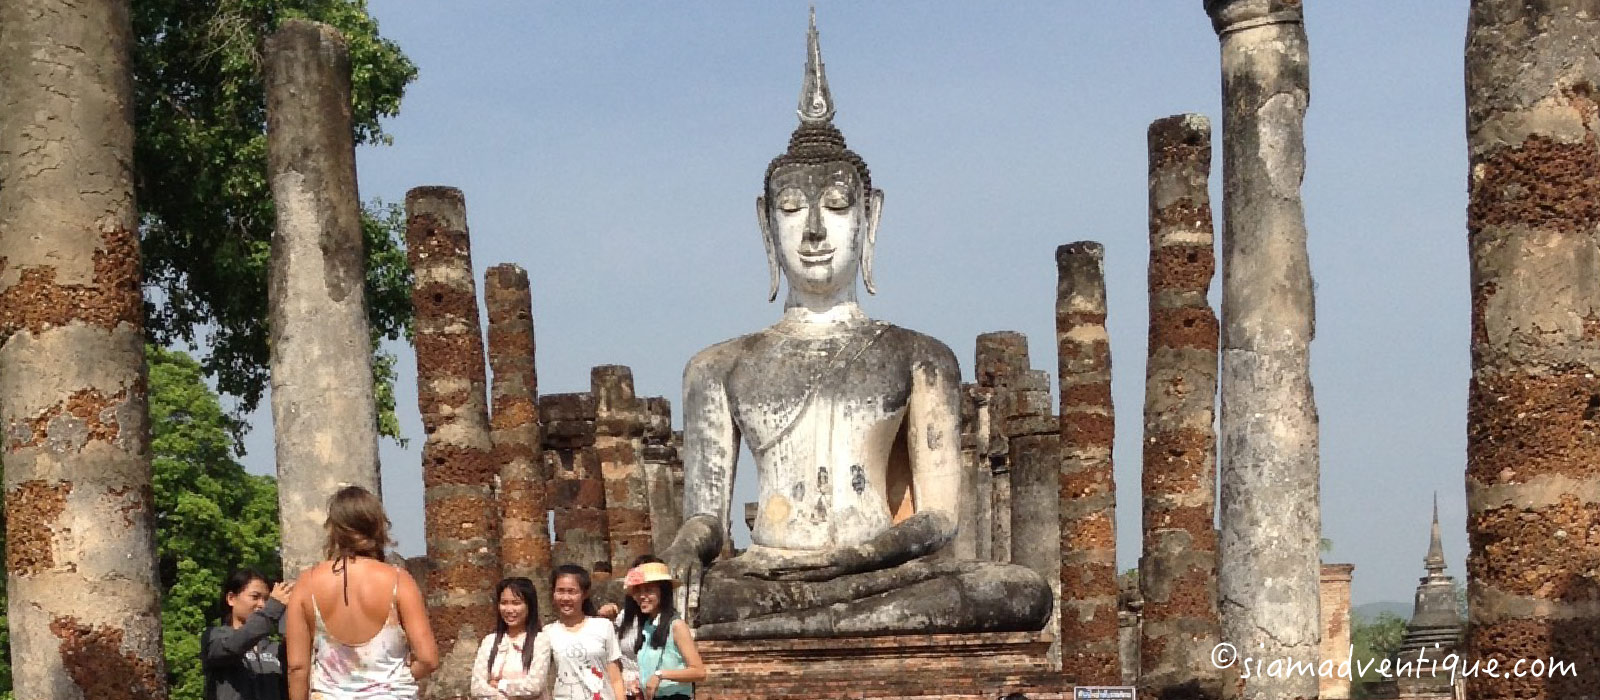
394,596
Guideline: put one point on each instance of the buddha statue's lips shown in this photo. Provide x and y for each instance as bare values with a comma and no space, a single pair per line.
816,256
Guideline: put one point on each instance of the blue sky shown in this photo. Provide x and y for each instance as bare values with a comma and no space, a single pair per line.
615,151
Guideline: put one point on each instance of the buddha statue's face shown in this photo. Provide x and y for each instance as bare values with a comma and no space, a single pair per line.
817,222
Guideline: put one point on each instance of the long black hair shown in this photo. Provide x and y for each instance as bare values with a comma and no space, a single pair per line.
524,590
234,585
582,575
665,611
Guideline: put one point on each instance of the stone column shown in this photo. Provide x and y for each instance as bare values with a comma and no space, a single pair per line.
982,491
325,422
965,544
1178,572
1034,439
1001,357
518,446
657,456
1267,456
577,490
1533,408
619,433
1000,508
675,468
1090,652
458,470
1334,596
80,551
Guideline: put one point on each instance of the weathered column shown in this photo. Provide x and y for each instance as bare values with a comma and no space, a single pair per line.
1533,411
657,456
983,473
1032,433
618,439
577,490
518,447
1267,451
324,419
1178,572
458,470
1001,357
965,545
80,552
1090,653
675,468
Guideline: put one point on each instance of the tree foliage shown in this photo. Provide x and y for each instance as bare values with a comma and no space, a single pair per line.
1374,640
211,516
201,167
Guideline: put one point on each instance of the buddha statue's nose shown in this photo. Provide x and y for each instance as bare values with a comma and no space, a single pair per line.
814,233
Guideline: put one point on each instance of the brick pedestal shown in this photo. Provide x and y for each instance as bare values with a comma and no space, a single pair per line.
924,667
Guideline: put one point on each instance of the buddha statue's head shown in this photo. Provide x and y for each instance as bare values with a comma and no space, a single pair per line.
819,212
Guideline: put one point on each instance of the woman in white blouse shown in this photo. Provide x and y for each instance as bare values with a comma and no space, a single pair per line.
509,665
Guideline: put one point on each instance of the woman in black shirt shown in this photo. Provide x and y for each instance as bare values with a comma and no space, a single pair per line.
239,656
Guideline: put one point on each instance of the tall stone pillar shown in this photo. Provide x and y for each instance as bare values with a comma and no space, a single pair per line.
1001,358
80,551
657,456
514,423
577,489
982,491
965,544
1035,456
458,470
1090,652
1178,571
1267,452
1533,408
619,438
325,422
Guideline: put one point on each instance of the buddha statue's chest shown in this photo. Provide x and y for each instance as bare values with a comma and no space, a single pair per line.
837,390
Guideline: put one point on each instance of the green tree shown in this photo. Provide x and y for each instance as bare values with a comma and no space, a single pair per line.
1373,640
211,516
201,162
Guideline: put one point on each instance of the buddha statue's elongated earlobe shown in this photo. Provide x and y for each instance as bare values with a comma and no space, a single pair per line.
869,241
766,240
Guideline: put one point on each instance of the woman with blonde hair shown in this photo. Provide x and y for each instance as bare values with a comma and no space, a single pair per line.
357,627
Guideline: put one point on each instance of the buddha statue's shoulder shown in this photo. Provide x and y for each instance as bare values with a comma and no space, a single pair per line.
920,348
718,359
877,338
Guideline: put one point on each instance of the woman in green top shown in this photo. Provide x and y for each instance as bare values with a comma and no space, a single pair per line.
669,664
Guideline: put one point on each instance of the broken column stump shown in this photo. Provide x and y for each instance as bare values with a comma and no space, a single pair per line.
458,471
619,438
515,432
1090,652
577,489
1178,569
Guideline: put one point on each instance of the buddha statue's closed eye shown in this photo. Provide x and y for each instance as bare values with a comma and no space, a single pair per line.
853,426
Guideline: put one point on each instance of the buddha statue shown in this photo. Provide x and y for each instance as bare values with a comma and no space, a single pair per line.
853,426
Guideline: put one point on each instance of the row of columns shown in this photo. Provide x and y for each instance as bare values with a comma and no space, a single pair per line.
1531,125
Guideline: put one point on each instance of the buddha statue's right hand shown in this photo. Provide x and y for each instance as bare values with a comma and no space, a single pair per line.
697,543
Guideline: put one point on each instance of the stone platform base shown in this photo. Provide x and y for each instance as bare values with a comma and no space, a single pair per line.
920,667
